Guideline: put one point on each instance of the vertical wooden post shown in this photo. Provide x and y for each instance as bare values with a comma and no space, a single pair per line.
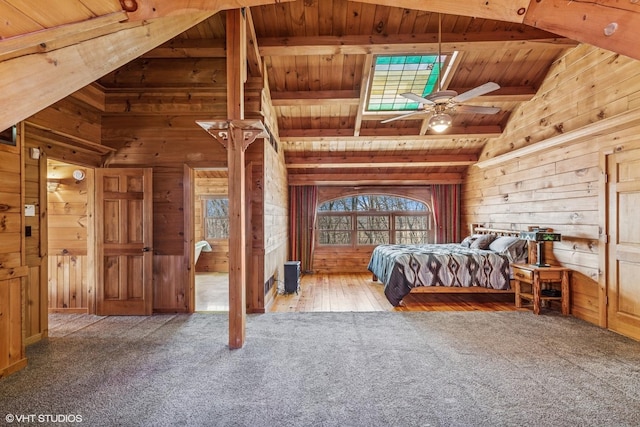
236,134
237,241
236,63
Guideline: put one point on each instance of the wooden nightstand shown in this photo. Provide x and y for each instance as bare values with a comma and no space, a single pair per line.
530,278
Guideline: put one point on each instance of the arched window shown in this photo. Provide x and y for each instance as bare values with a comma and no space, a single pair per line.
370,219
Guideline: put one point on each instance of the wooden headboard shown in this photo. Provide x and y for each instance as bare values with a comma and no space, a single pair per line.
480,229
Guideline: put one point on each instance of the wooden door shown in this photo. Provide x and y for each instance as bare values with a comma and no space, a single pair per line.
623,250
124,231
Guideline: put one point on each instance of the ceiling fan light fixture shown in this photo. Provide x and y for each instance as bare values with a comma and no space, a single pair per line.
440,122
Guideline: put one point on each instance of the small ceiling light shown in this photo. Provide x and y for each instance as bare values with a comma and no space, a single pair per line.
440,122
78,174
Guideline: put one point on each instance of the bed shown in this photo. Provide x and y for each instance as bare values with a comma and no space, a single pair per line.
480,263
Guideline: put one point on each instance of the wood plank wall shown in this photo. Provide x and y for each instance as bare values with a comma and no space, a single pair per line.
560,187
35,312
276,216
12,267
339,259
53,131
67,231
205,186
154,131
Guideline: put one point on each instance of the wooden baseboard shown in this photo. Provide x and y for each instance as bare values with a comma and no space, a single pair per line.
69,310
20,364
169,310
35,338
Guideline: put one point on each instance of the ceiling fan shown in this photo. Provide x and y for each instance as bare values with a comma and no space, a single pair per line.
441,102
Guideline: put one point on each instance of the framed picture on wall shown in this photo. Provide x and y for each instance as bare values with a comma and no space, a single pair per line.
9,136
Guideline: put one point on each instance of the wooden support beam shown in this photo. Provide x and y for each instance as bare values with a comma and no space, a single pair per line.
315,98
236,63
609,24
236,136
236,76
501,10
141,10
485,131
189,48
294,160
353,97
254,60
48,39
347,179
237,241
408,43
54,75
367,69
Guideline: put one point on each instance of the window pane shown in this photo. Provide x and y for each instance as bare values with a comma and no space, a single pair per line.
340,205
218,207
334,222
374,222
373,237
335,237
217,228
412,222
411,237
216,218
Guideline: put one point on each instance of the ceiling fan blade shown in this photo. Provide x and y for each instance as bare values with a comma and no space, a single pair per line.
404,116
478,91
417,98
476,109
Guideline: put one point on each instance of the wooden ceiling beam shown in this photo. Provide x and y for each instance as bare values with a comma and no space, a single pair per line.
377,160
54,75
504,94
367,69
488,131
142,10
315,98
254,60
189,48
371,178
609,24
408,43
54,38
385,135
501,10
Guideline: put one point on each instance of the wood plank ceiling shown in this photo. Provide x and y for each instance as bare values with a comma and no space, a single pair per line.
317,55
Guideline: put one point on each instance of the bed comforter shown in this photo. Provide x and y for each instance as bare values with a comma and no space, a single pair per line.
403,267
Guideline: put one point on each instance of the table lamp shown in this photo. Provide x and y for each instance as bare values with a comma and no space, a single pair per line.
540,235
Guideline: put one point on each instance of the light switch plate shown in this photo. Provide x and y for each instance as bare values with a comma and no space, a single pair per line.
29,210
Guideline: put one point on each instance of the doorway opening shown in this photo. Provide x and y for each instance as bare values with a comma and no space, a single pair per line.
68,210
211,234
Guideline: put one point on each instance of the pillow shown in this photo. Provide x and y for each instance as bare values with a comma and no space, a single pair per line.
466,242
482,241
513,247
502,243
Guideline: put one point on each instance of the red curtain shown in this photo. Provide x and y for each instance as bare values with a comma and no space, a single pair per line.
303,202
445,200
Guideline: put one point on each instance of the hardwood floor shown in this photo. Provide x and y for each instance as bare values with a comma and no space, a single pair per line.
347,292
212,292
358,292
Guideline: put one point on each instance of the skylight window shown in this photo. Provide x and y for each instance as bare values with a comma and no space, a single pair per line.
393,75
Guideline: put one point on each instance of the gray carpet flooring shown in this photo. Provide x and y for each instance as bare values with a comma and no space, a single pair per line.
330,369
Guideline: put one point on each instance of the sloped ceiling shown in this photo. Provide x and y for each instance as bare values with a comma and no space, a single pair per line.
318,56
